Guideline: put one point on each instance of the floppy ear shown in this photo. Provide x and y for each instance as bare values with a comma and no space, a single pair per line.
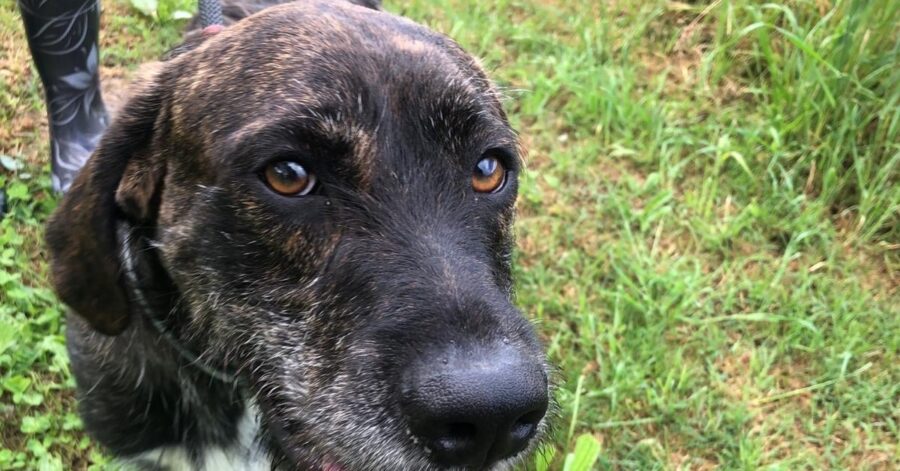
118,182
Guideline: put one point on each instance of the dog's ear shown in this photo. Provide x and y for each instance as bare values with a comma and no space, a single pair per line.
118,182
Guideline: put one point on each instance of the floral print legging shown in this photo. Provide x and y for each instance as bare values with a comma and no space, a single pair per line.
63,38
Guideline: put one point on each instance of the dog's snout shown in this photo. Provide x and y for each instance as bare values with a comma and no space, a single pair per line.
475,410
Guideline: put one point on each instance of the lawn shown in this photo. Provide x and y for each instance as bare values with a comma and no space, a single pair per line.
708,229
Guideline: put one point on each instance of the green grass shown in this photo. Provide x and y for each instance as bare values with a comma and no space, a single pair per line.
709,228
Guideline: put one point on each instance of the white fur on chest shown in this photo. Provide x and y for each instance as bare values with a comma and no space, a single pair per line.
244,454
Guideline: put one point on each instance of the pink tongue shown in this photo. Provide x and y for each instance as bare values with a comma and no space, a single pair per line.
331,467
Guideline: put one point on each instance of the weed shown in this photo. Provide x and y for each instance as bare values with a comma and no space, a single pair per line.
708,227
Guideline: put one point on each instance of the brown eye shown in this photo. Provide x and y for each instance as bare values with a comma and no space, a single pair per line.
489,175
289,178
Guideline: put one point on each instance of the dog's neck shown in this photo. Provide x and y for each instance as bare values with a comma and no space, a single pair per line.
155,305
157,310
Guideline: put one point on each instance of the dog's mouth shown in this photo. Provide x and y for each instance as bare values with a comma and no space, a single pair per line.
332,466
325,437
298,457
320,456
302,461
325,464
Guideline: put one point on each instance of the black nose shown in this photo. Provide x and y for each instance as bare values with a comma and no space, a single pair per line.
474,410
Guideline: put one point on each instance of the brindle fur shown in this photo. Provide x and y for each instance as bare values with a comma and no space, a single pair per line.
316,303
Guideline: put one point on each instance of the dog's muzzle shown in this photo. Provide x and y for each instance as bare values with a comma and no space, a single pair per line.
475,408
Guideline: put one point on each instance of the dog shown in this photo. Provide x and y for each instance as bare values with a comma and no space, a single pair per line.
292,250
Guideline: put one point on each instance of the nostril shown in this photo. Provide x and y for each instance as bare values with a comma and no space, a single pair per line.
461,431
521,432
477,411
524,429
455,438
532,418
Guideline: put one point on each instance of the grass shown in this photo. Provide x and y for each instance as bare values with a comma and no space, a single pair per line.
708,228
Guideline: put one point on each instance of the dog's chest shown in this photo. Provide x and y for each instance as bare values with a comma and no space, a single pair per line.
245,453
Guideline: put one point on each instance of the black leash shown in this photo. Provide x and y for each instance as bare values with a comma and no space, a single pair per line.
210,13
146,310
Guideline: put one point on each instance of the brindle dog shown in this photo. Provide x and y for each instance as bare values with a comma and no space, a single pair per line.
291,250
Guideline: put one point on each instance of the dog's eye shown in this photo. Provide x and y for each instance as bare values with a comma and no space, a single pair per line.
489,175
289,178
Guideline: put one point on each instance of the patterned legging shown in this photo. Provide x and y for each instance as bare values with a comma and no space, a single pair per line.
63,37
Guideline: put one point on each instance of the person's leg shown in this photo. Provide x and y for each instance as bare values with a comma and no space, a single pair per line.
63,37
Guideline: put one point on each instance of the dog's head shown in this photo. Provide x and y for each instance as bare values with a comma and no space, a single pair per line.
330,190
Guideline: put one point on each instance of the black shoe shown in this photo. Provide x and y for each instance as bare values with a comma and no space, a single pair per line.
63,38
